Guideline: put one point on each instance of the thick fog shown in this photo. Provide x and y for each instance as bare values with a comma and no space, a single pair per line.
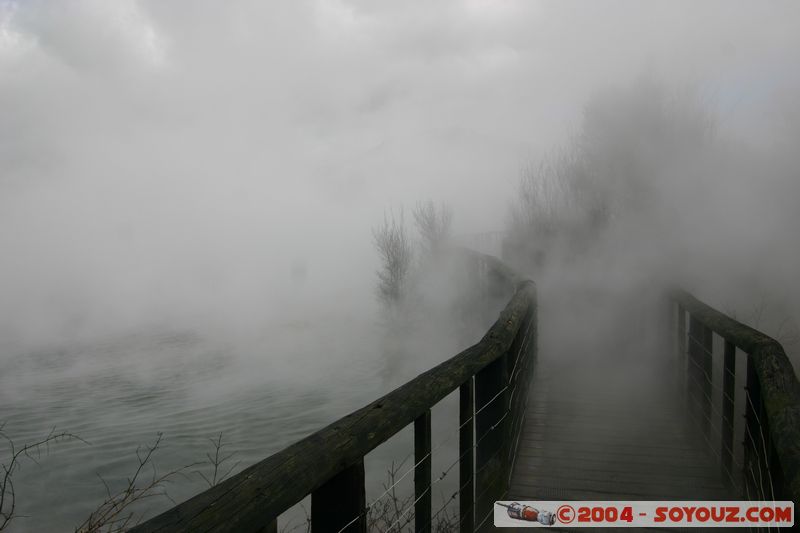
167,161
220,167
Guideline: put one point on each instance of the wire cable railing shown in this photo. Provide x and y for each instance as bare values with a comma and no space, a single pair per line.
446,470
745,400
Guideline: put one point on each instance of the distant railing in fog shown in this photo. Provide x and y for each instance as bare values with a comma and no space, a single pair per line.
492,377
765,464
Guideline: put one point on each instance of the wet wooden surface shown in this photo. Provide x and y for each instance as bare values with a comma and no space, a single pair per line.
611,432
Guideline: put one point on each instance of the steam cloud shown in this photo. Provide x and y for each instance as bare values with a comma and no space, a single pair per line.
176,162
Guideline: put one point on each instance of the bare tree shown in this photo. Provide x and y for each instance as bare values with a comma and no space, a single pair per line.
33,452
396,255
609,171
434,224
115,513
548,193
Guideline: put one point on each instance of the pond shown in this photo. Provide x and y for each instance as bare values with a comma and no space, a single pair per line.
260,392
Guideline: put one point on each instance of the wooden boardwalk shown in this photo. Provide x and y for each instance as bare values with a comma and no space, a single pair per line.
611,432
602,418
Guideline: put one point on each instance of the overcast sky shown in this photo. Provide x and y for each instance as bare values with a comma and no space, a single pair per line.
148,148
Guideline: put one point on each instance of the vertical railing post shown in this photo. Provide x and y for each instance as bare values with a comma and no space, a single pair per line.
681,352
700,367
751,392
762,456
271,527
491,399
466,453
707,359
666,331
518,363
693,377
422,472
339,504
728,392
756,462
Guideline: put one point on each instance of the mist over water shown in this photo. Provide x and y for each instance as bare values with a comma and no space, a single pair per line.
188,193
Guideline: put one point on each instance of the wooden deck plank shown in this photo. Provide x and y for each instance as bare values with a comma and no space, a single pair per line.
609,446
585,439
589,466
579,475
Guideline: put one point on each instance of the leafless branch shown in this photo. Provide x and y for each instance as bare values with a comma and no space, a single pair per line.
217,461
434,225
32,451
115,514
394,249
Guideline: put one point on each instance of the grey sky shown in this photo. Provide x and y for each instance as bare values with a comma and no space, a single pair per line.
149,148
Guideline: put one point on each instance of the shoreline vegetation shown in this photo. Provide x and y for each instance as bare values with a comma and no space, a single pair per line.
122,506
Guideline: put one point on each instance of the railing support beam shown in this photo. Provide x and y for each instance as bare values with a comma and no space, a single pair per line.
422,473
681,354
755,461
339,504
700,368
329,463
728,395
491,397
466,453
769,468
272,527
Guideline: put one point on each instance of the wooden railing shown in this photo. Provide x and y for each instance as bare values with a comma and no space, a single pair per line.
492,378
751,376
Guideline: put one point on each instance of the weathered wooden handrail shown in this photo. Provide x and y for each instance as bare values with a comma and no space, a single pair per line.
329,464
772,406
